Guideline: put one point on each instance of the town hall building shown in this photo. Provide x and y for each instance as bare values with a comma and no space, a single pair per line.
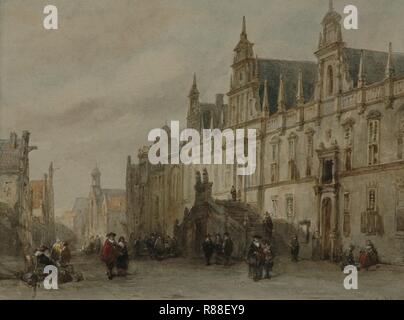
330,146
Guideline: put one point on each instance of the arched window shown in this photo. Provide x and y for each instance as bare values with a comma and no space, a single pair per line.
330,81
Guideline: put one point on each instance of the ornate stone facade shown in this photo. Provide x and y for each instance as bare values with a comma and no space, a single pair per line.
329,146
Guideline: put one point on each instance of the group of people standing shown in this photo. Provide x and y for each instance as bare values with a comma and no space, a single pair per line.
158,247
260,259
221,248
58,255
115,255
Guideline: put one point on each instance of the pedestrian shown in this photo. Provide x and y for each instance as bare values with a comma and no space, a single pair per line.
97,244
208,248
218,248
316,248
56,250
42,258
109,254
294,248
122,261
227,249
348,258
65,254
255,259
137,247
268,260
233,193
268,226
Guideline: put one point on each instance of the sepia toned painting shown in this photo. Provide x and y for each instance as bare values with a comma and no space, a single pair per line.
188,150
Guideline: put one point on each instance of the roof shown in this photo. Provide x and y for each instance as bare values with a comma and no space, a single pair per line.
374,63
37,188
115,199
271,70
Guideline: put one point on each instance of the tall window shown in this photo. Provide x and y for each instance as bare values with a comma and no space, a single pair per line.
347,216
373,141
290,210
275,206
275,145
371,222
348,148
310,153
330,81
292,157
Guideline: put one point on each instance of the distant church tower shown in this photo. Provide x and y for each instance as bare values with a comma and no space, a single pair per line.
193,116
96,177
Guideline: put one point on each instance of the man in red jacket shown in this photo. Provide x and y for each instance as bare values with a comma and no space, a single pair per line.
109,253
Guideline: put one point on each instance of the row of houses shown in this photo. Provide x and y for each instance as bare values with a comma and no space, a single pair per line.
27,214
102,211
330,158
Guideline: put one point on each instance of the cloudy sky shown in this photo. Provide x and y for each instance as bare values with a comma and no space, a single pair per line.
90,91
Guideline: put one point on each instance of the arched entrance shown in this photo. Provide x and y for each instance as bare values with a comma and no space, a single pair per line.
326,208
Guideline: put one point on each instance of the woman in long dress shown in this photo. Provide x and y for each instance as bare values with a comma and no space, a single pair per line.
122,262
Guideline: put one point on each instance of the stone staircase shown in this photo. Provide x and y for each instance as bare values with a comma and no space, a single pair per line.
242,213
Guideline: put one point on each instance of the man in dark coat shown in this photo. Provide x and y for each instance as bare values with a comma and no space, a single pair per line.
227,249
109,254
208,248
255,259
218,248
268,226
294,248
268,260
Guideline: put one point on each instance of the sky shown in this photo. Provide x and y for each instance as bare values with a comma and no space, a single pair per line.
90,91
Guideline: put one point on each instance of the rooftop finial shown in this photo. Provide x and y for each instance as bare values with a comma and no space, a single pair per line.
265,102
331,5
194,82
281,94
390,63
300,91
244,27
361,73
194,89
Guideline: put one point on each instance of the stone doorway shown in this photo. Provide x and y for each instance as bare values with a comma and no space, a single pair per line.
326,209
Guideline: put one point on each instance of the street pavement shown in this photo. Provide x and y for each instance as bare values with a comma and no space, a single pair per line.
181,278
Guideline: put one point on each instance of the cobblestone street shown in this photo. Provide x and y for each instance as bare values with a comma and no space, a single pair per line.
190,279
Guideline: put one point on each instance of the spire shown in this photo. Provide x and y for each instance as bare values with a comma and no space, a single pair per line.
390,63
256,66
281,94
194,89
320,40
243,34
331,5
339,34
300,91
361,73
265,102
51,170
